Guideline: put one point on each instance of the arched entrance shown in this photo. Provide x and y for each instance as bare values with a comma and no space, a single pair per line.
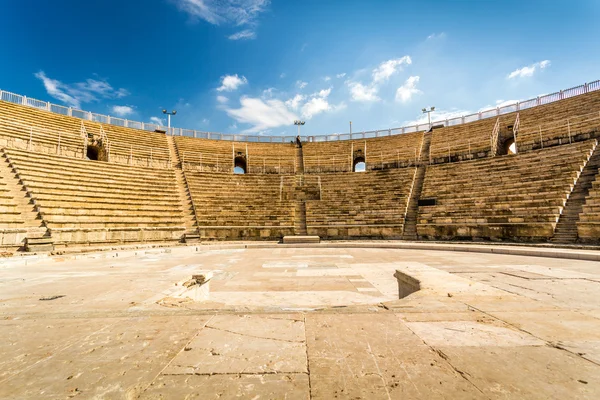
509,146
239,165
359,164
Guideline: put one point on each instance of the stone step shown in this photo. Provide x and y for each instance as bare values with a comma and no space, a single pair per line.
301,239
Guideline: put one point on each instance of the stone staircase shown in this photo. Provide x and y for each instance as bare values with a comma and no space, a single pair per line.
299,161
28,213
412,211
566,228
191,234
300,219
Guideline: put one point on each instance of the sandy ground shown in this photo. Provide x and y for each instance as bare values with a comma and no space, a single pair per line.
299,323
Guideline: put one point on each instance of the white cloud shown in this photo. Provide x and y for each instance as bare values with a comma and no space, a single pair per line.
315,106
406,91
294,102
360,92
438,115
122,111
205,121
301,85
343,74
318,105
528,70
82,92
157,121
246,34
217,12
433,36
327,78
380,75
282,75
268,93
388,68
230,83
323,93
261,114
222,99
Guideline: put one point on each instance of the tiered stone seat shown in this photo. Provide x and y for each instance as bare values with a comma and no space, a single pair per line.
127,145
145,148
90,202
12,226
19,124
219,155
466,141
381,153
367,204
230,207
269,157
513,197
582,113
328,156
588,226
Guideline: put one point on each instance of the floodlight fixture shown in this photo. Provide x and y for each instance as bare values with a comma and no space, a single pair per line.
169,118
428,112
299,123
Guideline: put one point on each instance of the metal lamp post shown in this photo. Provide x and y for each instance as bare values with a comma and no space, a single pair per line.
299,123
428,112
169,119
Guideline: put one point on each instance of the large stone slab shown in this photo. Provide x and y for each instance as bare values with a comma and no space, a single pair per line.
526,372
244,344
230,386
377,357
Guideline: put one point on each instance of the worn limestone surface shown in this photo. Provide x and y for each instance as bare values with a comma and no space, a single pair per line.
287,323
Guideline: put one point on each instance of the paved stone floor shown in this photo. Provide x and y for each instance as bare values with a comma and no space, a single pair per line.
298,323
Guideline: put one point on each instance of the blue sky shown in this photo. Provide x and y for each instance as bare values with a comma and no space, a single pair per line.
253,66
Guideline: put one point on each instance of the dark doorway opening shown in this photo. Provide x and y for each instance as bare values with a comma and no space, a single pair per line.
93,153
359,164
239,165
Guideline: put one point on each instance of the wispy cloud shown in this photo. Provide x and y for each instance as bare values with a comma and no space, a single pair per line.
123,111
157,121
222,99
360,92
301,85
408,89
83,92
388,68
241,13
246,34
380,75
434,36
343,74
295,101
230,83
262,114
528,70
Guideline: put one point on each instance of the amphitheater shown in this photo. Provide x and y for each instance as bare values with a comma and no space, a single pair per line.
462,263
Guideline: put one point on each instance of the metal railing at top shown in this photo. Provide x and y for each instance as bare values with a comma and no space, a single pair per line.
107,119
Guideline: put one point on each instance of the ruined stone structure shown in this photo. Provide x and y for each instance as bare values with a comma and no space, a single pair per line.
80,182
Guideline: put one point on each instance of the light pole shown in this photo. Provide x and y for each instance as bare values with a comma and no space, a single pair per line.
350,127
431,109
298,123
169,119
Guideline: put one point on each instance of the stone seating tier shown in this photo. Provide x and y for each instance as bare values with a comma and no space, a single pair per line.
90,202
588,226
515,196
206,155
368,204
381,153
230,207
